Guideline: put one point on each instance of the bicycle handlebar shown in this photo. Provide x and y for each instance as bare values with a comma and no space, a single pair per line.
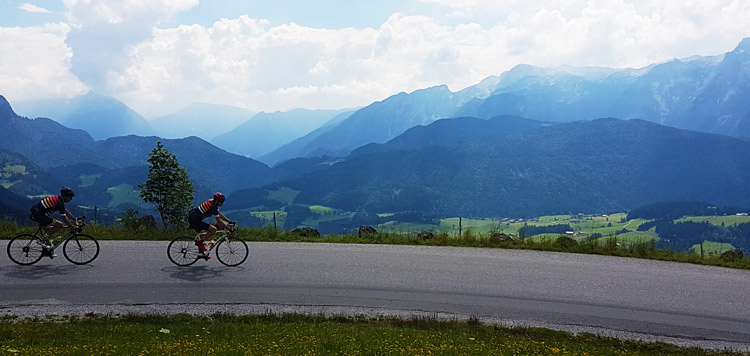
79,223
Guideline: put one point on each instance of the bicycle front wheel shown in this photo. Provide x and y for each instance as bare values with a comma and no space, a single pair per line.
81,249
182,251
25,249
232,252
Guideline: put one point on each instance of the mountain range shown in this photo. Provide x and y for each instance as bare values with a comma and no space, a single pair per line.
512,167
101,116
265,132
74,158
707,94
531,141
200,119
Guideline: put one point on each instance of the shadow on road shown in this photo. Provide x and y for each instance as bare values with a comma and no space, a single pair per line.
41,272
198,273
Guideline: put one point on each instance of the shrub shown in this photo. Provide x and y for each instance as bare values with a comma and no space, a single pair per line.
500,239
565,241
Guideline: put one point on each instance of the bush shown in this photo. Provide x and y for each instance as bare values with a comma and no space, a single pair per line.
565,241
500,239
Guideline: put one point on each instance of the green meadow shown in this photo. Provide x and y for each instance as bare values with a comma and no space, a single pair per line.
711,248
729,220
125,194
284,195
291,334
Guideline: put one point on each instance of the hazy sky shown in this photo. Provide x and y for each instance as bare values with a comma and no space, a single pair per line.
158,56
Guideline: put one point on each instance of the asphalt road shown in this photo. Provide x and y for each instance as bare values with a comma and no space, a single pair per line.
672,302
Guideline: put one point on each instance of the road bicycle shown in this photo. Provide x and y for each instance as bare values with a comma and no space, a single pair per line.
78,248
230,250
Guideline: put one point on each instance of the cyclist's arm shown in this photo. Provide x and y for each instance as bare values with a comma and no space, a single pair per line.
221,220
69,219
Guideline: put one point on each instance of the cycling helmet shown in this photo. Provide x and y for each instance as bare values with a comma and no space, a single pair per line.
66,192
219,197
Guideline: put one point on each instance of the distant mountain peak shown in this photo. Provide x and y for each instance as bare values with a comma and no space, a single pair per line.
432,90
744,45
5,109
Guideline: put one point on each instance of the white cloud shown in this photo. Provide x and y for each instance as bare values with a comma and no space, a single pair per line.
88,12
36,63
245,61
33,8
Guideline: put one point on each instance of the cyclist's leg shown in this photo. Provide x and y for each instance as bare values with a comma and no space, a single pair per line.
46,223
53,227
206,235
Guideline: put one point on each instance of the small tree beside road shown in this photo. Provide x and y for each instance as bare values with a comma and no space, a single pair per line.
168,187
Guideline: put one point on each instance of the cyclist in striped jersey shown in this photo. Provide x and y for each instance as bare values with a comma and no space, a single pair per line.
207,208
41,211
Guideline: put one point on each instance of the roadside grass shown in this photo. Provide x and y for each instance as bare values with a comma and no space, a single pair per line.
296,334
627,246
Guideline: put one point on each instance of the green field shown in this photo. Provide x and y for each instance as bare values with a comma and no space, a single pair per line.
284,195
711,248
86,180
475,225
12,169
585,225
8,184
393,227
125,194
321,210
729,220
8,172
268,217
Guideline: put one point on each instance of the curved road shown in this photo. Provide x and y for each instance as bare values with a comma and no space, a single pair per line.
678,303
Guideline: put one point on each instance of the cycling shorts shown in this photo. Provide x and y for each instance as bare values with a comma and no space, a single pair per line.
196,222
38,216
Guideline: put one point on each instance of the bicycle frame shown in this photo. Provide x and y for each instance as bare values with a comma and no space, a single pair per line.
80,223
225,235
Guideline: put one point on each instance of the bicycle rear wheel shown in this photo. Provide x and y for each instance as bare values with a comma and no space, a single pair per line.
81,249
232,252
182,251
25,249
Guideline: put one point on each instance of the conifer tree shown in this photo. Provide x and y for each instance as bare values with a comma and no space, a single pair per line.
168,187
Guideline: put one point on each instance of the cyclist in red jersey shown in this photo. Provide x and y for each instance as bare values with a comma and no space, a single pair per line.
41,211
207,208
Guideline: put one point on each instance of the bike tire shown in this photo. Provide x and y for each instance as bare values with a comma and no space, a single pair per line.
81,249
25,249
182,251
232,252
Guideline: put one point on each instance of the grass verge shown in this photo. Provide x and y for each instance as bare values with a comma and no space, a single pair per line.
293,334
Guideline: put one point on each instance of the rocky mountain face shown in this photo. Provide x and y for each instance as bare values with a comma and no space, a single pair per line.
707,94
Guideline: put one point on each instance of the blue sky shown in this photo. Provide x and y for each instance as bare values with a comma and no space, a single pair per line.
158,56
